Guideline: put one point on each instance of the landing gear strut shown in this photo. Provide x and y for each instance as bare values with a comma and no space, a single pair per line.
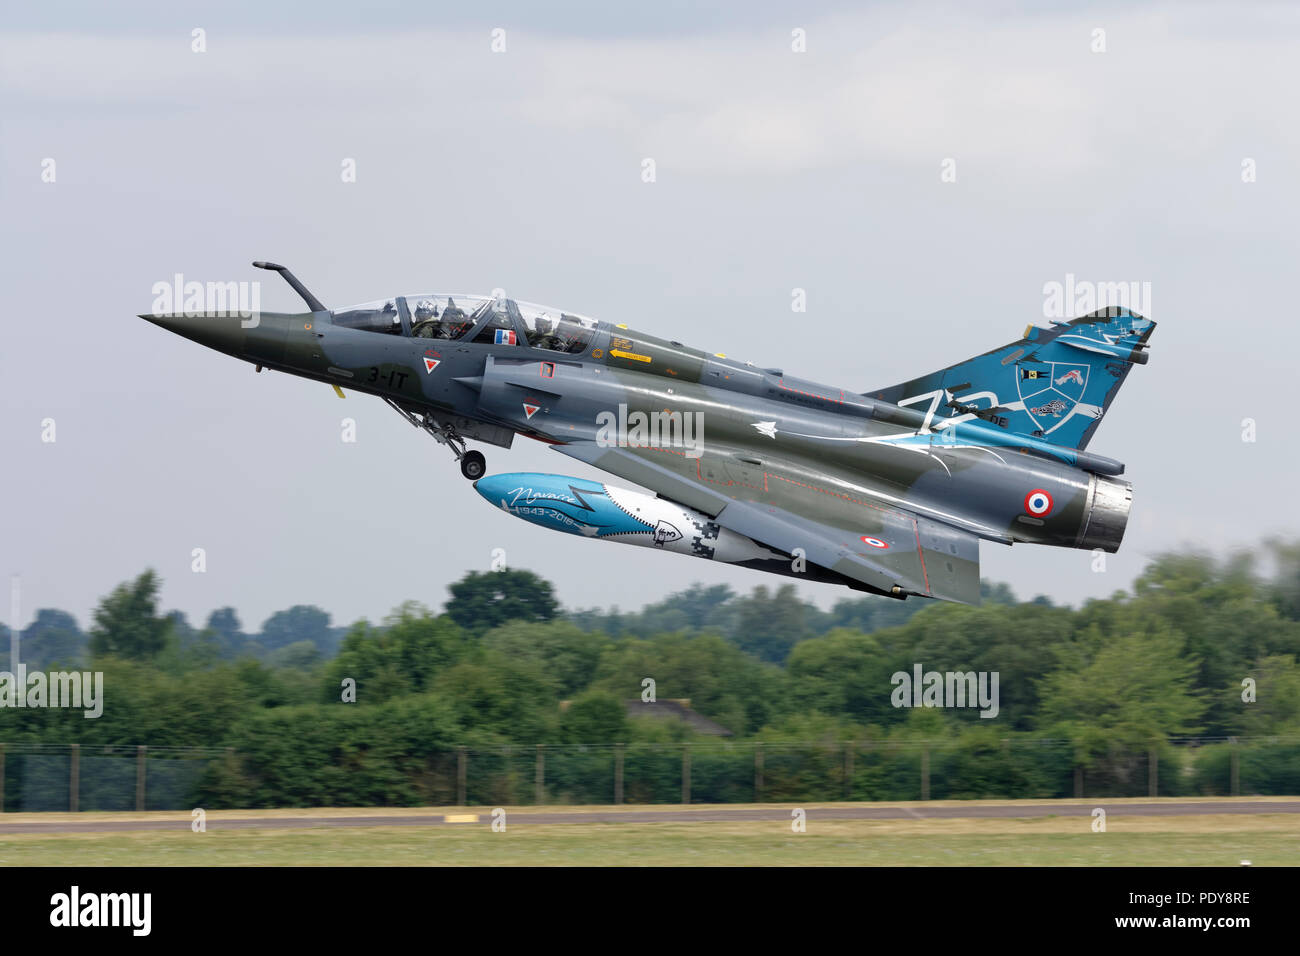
472,463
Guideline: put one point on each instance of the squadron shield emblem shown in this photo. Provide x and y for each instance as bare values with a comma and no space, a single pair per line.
1051,390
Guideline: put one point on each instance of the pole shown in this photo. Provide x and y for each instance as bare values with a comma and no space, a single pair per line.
15,634
925,772
618,773
538,797
74,781
460,776
139,777
686,773
849,747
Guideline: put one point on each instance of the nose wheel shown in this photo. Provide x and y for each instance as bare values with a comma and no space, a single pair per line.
473,465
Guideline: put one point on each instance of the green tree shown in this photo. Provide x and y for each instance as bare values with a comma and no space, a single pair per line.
1019,642
127,623
226,633
302,622
1286,583
482,600
1276,707
722,682
298,656
569,654
770,624
1137,689
500,697
52,638
595,717
871,613
842,674
402,657
1226,614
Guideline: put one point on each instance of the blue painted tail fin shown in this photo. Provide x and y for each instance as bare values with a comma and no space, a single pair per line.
1054,384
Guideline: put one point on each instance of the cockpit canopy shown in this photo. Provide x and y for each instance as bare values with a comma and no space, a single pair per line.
555,329
446,316
371,316
492,320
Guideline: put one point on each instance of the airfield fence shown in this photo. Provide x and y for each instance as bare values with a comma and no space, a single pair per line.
43,777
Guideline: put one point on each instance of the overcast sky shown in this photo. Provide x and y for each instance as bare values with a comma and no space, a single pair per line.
521,169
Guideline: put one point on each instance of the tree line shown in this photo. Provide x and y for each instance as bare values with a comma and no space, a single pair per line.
1198,648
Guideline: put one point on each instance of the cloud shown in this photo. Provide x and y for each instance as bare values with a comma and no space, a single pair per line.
1009,96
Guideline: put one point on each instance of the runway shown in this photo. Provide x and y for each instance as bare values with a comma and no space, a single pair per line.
775,813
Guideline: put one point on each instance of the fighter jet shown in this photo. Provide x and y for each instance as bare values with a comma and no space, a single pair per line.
888,490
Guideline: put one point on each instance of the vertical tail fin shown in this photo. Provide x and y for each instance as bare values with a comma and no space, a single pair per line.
1054,384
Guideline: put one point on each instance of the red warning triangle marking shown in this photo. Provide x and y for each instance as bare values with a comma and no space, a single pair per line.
530,410
431,364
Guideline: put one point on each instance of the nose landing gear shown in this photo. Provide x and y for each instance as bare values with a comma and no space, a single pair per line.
472,463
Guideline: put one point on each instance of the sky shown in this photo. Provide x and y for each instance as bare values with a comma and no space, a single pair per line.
1169,157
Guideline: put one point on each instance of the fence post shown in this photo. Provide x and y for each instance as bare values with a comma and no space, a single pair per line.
2,778
618,773
1234,786
758,772
74,781
686,773
1006,754
925,772
849,747
1153,772
460,776
139,777
540,786
1078,775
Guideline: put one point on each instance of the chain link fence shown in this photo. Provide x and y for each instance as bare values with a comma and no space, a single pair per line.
44,777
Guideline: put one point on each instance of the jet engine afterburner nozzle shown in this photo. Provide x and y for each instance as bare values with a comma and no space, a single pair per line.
1110,501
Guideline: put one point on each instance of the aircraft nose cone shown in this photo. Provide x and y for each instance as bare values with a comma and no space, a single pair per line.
220,331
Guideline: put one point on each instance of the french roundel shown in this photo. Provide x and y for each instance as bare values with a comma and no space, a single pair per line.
1038,502
874,542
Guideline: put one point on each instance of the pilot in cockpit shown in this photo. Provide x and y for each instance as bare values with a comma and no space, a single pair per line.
453,313
424,319
544,338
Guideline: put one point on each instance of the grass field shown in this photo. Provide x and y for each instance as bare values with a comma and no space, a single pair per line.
1219,840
